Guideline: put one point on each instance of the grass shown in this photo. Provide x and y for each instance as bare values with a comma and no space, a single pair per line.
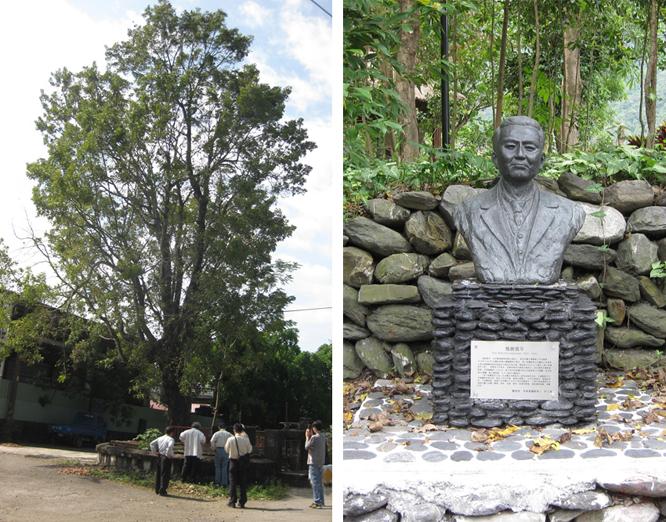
274,491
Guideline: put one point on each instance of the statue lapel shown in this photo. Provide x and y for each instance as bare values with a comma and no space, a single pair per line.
495,222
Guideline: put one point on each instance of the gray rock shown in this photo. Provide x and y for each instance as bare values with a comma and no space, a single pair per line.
460,249
350,306
386,212
352,365
632,338
353,332
628,359
636,254
590,286
575,187
661,249
649,319
428,233
401,323
589,257
357,267
425,361
388,294
585,500
403,360
651,292
645,512
650,221
345,240
608,229
640,486
373,354
439,267
400,268
416,200
453,196
433,290
522,516
462,271
622,285
549,184
627,196
568,274
375,238
381,515
421,512
563,515
617,310
359,504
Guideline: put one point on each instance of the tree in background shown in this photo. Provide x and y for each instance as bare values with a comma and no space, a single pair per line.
160,184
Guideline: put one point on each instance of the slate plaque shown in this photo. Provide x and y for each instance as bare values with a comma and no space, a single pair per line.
514,370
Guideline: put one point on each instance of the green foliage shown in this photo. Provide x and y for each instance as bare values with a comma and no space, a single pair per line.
448,167
147,437
602,319
614,164
658,270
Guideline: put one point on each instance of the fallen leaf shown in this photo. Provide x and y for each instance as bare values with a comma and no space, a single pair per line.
376,426
615,381
612,407
543,444
565,437
583,431
480,436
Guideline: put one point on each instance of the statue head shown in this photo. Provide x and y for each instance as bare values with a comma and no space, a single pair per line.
518,149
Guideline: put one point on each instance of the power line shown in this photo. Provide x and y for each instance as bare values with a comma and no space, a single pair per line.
308,309
320,7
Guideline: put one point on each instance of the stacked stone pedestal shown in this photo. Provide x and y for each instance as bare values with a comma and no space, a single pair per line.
496,312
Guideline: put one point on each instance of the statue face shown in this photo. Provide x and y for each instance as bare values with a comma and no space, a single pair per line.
519,153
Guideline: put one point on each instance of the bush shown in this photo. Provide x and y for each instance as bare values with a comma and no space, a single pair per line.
616,164
146,437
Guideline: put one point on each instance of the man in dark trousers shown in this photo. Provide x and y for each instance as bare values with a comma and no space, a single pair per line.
238,448
163,446
193,441
315,445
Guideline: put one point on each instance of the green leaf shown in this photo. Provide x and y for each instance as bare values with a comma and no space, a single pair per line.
598,214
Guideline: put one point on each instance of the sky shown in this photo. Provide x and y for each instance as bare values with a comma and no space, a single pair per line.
292,46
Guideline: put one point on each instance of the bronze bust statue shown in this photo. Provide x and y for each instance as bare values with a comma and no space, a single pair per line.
516,232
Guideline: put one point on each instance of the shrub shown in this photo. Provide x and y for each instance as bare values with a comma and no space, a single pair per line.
146,437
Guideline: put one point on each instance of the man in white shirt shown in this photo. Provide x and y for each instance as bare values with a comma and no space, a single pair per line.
193,441
238,447
217,442
163,446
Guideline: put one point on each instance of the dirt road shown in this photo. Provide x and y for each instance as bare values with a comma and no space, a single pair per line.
32,490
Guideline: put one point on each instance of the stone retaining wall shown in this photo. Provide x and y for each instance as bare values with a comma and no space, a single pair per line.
559,312
402,258
604,504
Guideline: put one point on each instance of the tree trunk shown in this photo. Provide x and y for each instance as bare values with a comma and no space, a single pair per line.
409,37
218,382
642,97
537,60
389,138
492,55
179,405
571,88
453,34
651,77
502,66
520,76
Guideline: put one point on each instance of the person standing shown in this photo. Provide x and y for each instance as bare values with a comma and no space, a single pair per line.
315,445
193,441
217,442
163,446
238,448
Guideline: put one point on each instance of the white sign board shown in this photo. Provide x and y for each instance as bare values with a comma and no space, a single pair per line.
514,370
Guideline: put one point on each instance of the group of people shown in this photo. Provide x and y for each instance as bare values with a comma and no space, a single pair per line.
232,459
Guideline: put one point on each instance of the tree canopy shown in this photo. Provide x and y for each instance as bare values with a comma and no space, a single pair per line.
160,185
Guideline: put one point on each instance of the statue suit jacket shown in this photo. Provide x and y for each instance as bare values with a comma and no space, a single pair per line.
484,224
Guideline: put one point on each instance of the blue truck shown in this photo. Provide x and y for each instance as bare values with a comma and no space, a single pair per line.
85,428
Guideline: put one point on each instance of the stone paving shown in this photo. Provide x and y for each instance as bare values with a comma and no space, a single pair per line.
621,410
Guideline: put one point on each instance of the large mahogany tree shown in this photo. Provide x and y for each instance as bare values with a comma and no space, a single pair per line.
160,185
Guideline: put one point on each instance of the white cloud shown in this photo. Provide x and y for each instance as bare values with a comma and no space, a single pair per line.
36,39
256,14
